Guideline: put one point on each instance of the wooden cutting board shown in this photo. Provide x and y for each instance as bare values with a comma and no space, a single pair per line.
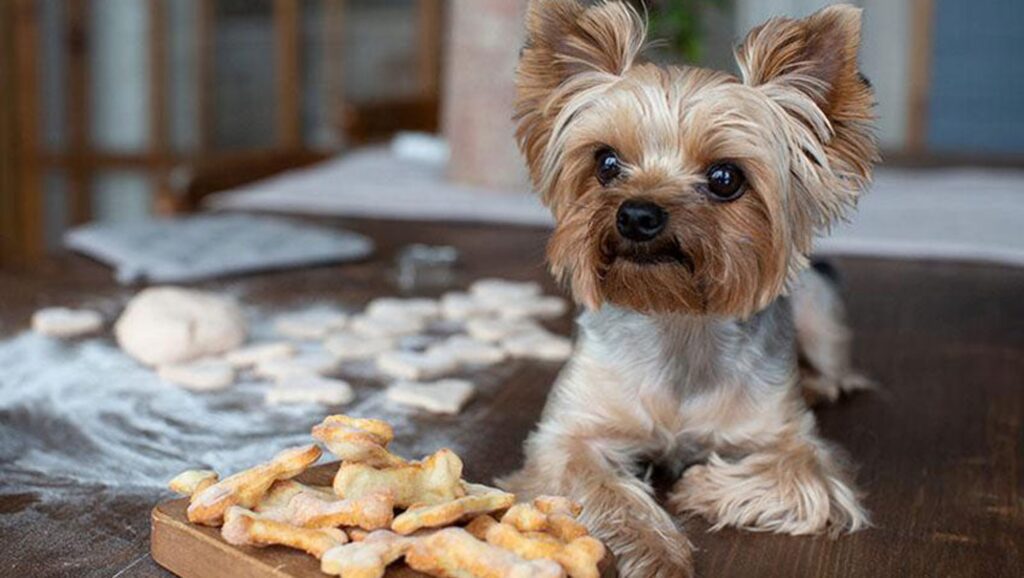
193,551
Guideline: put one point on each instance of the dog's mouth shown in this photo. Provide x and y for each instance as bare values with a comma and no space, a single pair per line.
651,255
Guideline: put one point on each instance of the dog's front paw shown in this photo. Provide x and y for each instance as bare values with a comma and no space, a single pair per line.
654,554
768,492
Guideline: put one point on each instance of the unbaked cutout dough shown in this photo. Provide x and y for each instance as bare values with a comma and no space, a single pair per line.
64,323
312,389
208,374
447,396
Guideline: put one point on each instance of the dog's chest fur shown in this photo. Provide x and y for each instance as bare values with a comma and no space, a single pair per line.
670,384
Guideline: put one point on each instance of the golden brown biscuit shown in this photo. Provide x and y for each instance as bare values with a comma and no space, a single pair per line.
247,487
432,481
246,528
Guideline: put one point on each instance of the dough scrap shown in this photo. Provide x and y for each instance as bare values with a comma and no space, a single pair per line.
395,325
469,351
352,346
311,389
301,366
64,323
424,309
415,365
208,374
257,353
493,330
447,396
538,345
310,325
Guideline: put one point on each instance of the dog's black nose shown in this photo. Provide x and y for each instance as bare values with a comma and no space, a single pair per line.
640,220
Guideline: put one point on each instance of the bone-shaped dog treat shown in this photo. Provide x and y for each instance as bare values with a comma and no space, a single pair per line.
371,512
432,481
526,518
368,558
192,482
561,515
579,557
276,503
356,440
480,500
455,552
479,525
247,487
246,528
552,514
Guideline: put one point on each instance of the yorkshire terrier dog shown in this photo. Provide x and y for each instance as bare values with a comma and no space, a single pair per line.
686,202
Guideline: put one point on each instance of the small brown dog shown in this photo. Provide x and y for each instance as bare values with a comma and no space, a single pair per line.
686,203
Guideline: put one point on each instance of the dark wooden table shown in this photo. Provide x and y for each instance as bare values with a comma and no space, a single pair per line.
940,448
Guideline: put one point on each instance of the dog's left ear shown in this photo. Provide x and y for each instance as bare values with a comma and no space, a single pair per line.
809,67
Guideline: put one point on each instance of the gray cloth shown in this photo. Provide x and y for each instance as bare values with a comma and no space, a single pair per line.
207,246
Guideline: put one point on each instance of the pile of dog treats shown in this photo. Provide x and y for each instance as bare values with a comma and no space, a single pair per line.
445,527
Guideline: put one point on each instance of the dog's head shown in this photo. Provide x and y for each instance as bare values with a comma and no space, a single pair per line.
685,189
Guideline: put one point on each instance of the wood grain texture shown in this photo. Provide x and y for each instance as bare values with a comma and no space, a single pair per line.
939,448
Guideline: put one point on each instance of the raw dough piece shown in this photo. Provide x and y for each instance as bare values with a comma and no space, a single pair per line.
310,325
310,389
415,365
349,346
446,396
257,353
163,325
502,291
462,306
538,345
494,330
64,323
388,325
425,309
467,350
301,366
542,307
206,374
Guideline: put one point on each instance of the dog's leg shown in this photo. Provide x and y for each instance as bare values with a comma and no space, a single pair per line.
795,484
618,508
823,339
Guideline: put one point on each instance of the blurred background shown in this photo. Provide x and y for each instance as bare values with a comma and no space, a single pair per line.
114,111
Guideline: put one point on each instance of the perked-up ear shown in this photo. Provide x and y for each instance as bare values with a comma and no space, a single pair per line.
817,57
570,48
821,48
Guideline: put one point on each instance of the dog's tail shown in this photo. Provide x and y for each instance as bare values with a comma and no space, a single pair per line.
823,337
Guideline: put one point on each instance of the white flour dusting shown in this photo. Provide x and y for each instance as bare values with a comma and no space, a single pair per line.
84,413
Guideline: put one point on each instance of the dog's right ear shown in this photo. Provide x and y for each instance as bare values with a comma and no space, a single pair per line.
570,48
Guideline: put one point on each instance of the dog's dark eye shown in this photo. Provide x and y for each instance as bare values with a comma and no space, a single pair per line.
608,167
725,182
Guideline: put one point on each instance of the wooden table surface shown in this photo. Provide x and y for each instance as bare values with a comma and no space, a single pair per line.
940,448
